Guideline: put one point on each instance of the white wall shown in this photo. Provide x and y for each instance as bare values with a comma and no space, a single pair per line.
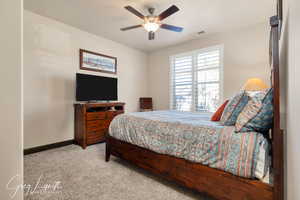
245,56
10,101
291,57
51,60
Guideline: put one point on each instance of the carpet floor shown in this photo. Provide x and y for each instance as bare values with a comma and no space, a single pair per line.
70,173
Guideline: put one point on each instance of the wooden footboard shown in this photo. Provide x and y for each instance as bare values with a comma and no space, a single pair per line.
216,183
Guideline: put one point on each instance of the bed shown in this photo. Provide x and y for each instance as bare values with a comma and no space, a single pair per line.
202,155
193,137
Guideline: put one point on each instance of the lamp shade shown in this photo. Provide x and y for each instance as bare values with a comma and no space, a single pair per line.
255,84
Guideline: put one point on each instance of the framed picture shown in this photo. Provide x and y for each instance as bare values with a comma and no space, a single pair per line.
97,62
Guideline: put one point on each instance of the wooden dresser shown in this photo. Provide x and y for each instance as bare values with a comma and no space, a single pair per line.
92,121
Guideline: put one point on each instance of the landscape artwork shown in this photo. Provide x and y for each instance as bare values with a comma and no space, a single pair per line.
97,62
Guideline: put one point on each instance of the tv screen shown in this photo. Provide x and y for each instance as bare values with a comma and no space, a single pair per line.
96,88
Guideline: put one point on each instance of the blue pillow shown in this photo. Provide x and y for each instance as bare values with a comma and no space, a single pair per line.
234,108
257,115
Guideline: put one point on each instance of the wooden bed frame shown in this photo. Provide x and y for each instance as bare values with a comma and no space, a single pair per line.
214,182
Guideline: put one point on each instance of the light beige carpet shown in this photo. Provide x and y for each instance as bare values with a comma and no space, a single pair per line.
84,175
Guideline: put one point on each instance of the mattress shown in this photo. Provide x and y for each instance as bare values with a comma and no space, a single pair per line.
192,136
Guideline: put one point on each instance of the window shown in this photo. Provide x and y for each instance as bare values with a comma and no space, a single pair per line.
196,80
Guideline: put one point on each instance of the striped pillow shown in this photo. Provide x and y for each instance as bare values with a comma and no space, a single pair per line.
257,114
234,108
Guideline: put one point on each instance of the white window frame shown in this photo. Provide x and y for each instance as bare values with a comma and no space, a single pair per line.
194,53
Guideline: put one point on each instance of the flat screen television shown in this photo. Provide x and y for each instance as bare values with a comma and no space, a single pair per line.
96,88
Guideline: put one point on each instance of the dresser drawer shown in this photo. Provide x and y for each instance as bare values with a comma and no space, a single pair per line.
95,115
95,125
95,136
112,114
92,134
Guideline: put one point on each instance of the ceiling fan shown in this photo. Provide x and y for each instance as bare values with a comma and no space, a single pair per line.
153,22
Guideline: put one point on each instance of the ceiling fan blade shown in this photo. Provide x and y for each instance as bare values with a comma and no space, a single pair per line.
168,12
151,35
131,27
135,12
171,27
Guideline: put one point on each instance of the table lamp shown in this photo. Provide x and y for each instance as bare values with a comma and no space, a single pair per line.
255,84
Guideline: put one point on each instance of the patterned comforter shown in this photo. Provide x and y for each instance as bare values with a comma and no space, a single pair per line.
192,136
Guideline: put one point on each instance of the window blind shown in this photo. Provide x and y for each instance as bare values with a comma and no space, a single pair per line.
196,80
182,83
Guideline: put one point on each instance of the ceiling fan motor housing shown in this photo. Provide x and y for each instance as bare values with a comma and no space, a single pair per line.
151,10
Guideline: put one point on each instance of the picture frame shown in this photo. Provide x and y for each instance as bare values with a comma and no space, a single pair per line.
93,61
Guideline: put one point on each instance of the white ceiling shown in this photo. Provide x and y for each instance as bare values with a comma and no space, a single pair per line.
106,17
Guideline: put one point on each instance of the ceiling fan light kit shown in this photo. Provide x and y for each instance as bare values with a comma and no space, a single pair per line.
152,23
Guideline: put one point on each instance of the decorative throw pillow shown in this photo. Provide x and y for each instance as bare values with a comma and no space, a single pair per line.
233,108
257,114
217,115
